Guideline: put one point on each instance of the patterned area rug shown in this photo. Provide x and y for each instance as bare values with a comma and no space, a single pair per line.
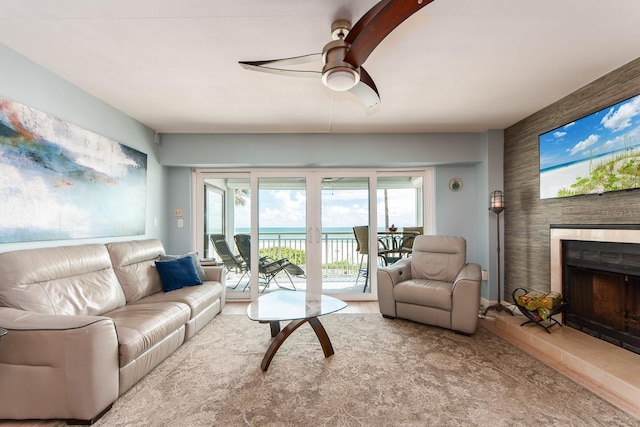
383,373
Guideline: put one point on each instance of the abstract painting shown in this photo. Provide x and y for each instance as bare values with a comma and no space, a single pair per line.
59,181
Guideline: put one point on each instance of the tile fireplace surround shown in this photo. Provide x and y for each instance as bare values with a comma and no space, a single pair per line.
557,235
607,370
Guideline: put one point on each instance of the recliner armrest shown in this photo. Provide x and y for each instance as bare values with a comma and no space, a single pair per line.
466,299
57,367
20,320
470,271
388,277
396,272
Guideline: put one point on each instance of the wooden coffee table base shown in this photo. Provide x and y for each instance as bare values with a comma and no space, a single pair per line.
281,335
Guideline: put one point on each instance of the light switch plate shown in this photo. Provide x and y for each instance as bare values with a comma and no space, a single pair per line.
177,212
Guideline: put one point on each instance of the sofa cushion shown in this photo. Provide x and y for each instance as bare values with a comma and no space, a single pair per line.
67,280
198,298
89,294
429,293
177,273
142,326
134,265
196,263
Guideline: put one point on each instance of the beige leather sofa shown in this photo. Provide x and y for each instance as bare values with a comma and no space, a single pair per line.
434,286
87,322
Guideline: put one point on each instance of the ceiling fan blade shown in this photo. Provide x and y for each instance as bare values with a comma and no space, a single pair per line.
281,71
364,20
278,66
286,62
366,90
376,24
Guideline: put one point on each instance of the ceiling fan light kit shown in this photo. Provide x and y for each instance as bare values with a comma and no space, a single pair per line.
337,74
340,79
342,58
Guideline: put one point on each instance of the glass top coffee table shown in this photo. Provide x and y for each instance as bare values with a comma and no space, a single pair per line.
299,308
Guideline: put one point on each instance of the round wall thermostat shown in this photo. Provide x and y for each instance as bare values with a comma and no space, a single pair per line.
455,184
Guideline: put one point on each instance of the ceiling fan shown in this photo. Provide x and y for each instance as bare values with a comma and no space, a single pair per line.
342,58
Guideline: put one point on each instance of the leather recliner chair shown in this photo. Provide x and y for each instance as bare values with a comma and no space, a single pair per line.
434,286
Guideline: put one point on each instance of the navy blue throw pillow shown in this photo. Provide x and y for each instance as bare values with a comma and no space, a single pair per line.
177,273
196,263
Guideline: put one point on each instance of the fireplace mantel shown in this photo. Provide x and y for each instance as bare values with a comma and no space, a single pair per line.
617,233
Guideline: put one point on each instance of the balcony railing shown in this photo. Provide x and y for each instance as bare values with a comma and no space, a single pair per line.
339,255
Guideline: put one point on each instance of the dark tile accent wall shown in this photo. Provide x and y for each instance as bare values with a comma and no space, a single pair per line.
527,218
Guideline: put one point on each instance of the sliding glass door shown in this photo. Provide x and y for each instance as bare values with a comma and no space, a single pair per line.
345,208
223,209
308,230
282,233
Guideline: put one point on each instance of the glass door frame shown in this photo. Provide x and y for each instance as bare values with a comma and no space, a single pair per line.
313,178
198,178
256,175
428,192
370,175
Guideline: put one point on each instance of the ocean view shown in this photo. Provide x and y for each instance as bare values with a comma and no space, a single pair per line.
296,232
592,158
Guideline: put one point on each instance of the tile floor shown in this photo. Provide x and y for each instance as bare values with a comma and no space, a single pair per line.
607,370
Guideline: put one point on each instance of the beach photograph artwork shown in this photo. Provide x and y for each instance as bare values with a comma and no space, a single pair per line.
59,181
593,155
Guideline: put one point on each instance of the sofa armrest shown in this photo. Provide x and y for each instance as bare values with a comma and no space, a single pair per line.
388,277
216,274
466,299
57,367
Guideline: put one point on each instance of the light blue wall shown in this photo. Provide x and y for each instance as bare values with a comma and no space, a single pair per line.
487,226
469,156
320,150
456,210
28,83
179,192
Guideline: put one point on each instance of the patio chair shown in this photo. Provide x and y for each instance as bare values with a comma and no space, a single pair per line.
268,268
408,236
230,260
361,233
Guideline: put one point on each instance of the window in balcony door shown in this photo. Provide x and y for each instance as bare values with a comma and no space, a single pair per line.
214,216
345,263
282,233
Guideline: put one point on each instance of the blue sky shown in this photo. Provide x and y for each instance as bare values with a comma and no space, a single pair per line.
340,208
605,131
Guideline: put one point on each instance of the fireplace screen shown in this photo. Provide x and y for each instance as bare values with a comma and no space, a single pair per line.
602,282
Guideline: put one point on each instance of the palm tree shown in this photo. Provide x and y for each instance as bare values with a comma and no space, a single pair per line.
240,196
386,209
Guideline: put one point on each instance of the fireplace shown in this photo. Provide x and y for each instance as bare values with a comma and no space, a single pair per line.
602,281
598,270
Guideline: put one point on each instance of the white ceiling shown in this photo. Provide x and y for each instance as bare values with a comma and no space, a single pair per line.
454,66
